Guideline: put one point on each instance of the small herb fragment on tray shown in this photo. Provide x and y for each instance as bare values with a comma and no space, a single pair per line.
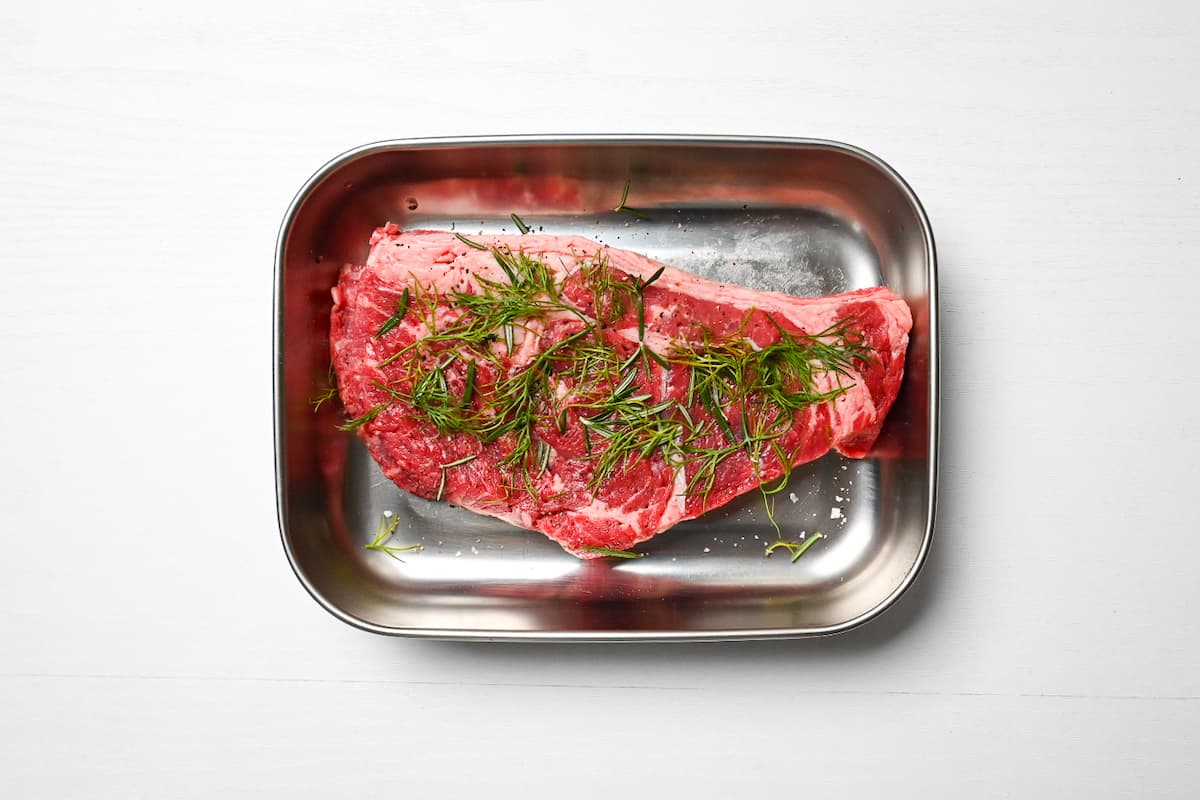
325,395
608,551
797,549
622,208
520,223
383,533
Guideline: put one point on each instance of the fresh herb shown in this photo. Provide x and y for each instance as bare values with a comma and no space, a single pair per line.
621,207
611,294
640,287
766,386
442,483
469,387
520,223
325,395
328,393
431,396
383,533
608,551
470,243
741,397
396,318
359,421
657,274
797,549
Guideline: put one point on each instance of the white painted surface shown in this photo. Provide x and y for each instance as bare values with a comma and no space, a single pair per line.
154,640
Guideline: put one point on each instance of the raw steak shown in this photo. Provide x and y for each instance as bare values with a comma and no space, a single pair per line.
509,417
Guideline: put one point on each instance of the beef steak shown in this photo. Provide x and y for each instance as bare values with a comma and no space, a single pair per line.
591,393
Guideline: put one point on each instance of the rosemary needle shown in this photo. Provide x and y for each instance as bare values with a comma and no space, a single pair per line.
470,243
396,318
608,551
442,483
621,207
359,421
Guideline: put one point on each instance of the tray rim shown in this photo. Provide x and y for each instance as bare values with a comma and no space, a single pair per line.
617,635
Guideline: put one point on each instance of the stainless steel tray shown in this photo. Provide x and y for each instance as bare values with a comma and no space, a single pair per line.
802,216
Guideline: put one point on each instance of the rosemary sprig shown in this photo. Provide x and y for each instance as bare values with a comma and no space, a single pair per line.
611,295
608,551
641,302
325,395
432,396
328,393
383,533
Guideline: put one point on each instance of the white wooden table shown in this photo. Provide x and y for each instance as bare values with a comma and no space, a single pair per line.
154,641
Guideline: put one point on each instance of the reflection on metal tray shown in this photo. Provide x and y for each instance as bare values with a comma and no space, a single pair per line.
801,216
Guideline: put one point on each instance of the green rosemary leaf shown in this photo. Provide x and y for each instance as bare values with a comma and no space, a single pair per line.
624,196
359,421
608,551
396,318
461,461
469,389
621,207
470,243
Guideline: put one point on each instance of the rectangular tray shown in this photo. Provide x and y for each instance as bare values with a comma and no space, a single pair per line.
802,216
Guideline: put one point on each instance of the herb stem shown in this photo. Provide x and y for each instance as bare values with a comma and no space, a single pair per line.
621,207
443,467
396,318
608,551
470,243
383,533
797,549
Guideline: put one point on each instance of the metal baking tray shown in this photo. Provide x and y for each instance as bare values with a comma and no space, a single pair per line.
803,216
